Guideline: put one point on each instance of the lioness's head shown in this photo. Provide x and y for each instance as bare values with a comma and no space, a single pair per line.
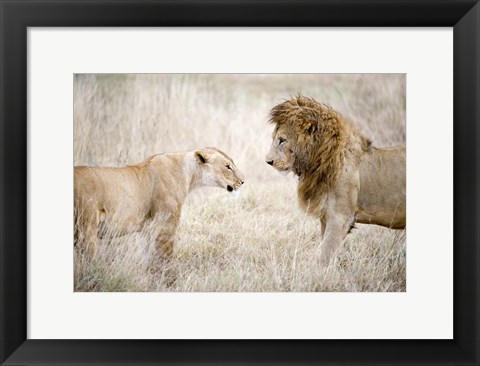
218,169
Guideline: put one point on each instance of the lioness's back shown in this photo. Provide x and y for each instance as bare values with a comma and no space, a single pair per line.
112,188
117,201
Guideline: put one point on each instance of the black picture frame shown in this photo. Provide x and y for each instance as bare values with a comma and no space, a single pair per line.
17,15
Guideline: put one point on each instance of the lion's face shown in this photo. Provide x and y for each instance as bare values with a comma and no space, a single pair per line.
281,155
218,170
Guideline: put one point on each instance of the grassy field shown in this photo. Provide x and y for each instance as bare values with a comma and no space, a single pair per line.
261,241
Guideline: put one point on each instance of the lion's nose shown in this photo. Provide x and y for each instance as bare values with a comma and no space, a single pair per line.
270,162
242,182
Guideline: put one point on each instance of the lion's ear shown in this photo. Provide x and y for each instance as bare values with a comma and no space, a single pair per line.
201,156
310,124
311,128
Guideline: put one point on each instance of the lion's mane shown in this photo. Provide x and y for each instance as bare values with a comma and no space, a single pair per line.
324,140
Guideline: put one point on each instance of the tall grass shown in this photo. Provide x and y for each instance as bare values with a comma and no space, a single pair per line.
261,241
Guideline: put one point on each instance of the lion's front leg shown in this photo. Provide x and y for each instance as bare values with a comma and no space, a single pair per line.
323,224
339,217
336,229
336,223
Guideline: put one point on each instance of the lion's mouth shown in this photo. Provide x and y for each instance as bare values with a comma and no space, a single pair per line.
282,169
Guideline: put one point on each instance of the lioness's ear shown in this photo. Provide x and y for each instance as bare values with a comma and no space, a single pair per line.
201,156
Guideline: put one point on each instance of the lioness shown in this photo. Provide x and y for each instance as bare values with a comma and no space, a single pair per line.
342,178
118,201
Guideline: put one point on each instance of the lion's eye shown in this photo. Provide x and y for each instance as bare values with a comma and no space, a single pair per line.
229,167
281,140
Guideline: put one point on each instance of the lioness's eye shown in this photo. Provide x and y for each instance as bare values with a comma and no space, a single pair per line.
281,140
229,167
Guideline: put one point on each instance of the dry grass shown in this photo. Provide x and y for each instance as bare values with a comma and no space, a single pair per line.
261,241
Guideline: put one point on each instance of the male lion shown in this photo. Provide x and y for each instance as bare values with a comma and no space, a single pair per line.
118,201
342,179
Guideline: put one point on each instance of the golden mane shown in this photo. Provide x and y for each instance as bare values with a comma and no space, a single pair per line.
323,140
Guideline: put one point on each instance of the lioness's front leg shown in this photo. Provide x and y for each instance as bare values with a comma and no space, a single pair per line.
164,244
166,236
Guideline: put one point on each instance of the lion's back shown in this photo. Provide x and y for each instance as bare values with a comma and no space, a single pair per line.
382,194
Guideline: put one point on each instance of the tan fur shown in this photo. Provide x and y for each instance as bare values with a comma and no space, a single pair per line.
342,178
118,201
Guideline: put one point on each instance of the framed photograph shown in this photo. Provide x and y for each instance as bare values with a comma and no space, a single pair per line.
232,182
205,165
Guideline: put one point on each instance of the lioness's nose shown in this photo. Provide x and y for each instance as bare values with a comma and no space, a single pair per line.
242,182
270,162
